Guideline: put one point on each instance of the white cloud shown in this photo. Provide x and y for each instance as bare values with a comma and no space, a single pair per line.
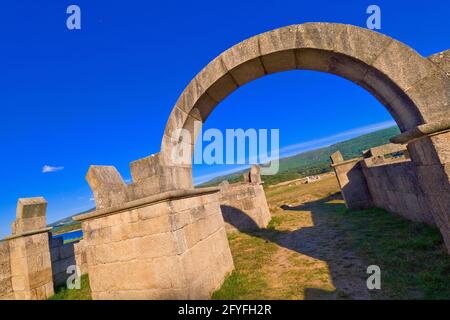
48,169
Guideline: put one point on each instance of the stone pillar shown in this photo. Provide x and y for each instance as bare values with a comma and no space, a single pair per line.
429,148
352,182
254,175
244,205
172,245
153,175
31,270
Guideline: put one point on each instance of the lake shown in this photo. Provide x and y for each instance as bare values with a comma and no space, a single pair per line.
71,235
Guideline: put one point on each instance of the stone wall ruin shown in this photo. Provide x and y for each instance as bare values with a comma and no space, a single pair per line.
244,205
32,263
385,178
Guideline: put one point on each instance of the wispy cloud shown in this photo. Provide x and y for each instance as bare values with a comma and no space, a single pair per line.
297,148
209,176
327,141
48,169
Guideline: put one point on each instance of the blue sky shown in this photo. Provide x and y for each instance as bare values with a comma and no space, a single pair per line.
102,94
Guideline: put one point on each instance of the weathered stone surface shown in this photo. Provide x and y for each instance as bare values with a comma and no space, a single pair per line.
31,267
277,49
244,205
385,149
336,157
396,188
161,250
442,60
25,264
151,175
433,92
30,215
107,186
241,53
352,182
6,289
397,75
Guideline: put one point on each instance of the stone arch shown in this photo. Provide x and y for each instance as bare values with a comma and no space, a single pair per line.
414,89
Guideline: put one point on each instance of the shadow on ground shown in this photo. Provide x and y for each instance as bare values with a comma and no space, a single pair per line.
320,241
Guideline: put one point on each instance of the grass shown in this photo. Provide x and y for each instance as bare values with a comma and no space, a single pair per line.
72,240
62,293
412,256
66,228
247,281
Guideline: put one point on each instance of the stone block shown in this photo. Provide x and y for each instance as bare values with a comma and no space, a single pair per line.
360,43
190,96
145,259
277,49
441,143
278,40
158,245
222,88
423,152
211,74
30,215
312,59
241,53
442,60
397,60
321,36
393,98
433,179
107,185
178,120
279,61
336,157
433,92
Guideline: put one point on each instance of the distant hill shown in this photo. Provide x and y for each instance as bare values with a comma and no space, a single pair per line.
68,220
317,161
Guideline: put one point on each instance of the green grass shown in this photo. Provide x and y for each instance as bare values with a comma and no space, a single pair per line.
274,222
72,240
247,281
62,293
66,228
412,256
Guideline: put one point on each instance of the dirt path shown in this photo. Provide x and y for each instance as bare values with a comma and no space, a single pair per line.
312,260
